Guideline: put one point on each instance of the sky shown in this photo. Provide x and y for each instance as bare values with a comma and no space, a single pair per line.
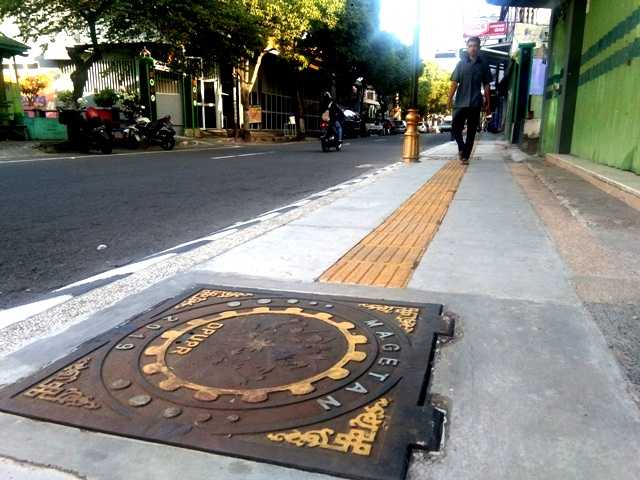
441,21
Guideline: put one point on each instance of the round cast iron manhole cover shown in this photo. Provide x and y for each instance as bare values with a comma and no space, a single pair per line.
273,366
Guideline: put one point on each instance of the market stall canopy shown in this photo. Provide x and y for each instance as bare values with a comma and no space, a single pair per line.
526,3
10,47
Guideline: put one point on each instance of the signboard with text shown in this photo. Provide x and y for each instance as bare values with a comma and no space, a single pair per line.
486,30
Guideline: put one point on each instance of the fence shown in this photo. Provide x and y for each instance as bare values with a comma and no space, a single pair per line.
117,74
276,110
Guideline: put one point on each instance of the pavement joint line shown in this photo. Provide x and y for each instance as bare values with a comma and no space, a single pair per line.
69,311
394,248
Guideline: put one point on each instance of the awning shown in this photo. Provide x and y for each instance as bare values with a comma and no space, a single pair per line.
526,3
10,47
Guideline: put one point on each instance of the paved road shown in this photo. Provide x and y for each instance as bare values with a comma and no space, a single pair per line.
54,213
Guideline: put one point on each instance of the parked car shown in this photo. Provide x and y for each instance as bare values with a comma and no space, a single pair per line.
445,126
374,128
399,127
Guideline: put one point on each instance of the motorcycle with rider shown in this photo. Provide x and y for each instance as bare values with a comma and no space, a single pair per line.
331,126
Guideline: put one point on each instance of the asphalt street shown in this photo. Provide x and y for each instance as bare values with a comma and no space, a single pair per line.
55,213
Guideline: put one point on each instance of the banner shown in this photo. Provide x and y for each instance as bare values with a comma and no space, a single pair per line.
486,30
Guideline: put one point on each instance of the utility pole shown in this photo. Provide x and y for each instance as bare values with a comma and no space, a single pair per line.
411,145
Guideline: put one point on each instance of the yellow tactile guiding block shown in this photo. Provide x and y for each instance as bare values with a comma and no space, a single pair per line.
387,256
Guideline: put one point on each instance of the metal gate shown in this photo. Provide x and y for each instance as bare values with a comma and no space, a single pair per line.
169,98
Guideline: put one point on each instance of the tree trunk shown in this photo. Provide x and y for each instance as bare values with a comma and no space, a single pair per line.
82,62
301,126
248,77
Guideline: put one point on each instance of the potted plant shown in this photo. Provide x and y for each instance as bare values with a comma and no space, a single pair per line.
65,100
106,98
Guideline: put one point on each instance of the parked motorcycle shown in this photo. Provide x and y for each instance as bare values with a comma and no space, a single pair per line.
328,138
87,130
158,132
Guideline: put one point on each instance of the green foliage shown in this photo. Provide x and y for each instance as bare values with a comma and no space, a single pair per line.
220,31
65,98
129,101
356,47
107,97
433,89
287,22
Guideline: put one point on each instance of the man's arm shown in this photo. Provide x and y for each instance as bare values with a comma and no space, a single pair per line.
455,81
452,91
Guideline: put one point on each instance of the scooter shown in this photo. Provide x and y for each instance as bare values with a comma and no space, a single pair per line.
86,130
328,138
159,132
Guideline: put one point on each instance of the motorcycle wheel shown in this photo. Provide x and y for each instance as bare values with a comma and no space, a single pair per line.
168,143
133,143
106,147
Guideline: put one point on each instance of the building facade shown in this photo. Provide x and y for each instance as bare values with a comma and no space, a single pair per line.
591,106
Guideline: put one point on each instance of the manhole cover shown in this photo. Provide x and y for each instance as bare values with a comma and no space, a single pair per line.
328,384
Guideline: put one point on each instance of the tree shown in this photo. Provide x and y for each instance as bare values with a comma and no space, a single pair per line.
285,23
46,18
433,89
223,29
356,48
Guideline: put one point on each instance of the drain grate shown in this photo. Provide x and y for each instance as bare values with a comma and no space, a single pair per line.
328,384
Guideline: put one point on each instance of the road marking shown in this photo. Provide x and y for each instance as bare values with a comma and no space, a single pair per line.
17,314
268,216
23,312
124,270
102,155
241,155
365,165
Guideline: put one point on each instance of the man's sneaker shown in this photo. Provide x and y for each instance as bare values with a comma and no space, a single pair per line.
461,156
465,161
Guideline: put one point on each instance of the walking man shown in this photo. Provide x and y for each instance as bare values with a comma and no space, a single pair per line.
470,76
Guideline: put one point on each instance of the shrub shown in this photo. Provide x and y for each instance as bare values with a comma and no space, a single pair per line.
130,102
65,99
106,98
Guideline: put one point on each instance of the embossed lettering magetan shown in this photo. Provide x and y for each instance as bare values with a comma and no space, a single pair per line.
407,316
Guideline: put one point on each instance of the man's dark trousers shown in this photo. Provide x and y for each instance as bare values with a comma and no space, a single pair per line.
472,116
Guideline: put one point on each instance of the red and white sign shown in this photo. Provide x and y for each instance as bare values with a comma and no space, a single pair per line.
486,30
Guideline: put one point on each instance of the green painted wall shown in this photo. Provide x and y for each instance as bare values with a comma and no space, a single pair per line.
607,120
535,105
551,114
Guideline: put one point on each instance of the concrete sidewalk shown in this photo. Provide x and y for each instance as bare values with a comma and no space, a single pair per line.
531,389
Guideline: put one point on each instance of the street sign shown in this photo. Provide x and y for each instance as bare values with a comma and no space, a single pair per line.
329,384
255,114
486,30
